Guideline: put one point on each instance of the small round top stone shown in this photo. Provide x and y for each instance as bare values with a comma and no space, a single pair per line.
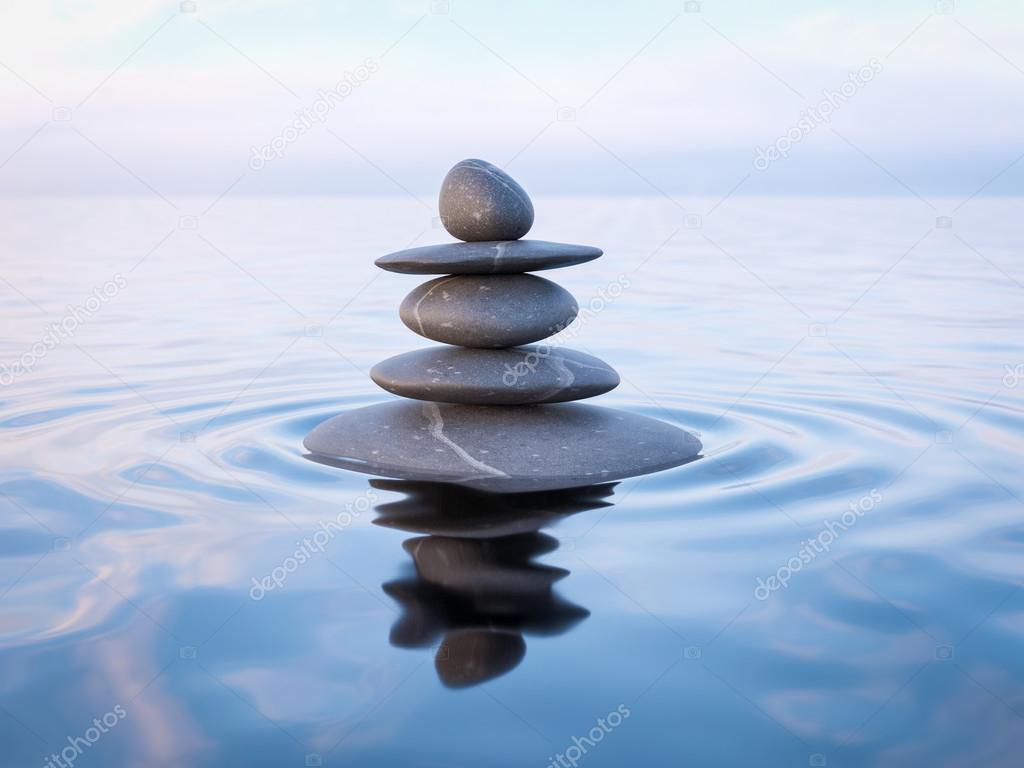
479,202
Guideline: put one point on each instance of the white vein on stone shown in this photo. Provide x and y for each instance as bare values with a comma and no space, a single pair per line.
580,364
511,190
499,253
436,428
416,306
557,362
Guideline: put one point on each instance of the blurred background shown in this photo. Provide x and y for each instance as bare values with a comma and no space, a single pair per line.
128,97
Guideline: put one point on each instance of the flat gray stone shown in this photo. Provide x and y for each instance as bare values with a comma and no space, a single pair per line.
488,311
479,201
489,257
503,449
513,376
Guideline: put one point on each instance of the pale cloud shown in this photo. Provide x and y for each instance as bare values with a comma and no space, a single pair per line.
188,107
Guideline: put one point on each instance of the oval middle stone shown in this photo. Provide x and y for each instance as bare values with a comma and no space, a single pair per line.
516,376
488,311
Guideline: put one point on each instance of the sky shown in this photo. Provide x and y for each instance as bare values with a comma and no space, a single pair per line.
699,98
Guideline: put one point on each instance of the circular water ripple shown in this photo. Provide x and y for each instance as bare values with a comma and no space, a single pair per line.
152,475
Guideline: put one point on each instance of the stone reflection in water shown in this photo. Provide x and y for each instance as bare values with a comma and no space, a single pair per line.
477,588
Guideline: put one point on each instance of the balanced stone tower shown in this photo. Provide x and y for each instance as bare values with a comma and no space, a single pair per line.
483,410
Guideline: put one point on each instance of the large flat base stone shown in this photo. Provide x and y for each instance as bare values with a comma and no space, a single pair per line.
506,449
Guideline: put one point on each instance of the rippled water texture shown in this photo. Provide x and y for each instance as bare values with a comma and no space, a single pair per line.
834,583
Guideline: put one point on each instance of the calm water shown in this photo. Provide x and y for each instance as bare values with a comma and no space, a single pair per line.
856,376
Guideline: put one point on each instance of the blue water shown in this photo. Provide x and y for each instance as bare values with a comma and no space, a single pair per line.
836,581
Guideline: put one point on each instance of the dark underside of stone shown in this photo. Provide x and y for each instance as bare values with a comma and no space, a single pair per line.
455,511
500,448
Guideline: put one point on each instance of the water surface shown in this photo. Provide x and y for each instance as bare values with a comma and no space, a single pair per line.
855,374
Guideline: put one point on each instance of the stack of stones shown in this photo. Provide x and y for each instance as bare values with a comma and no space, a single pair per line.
488,306
494,413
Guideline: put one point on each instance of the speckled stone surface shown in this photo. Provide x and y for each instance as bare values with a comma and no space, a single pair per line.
500,448
491,257
513,376
488,311
479,201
